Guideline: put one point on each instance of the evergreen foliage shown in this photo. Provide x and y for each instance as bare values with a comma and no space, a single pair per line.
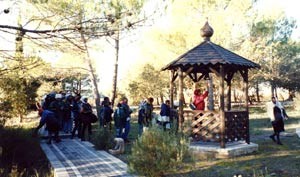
150,82
103,139
21,154
158,152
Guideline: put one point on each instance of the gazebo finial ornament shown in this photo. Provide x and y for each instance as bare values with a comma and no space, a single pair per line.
206,31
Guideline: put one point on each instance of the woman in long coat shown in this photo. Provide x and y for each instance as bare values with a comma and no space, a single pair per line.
276,113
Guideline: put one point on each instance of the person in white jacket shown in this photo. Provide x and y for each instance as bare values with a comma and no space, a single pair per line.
276,113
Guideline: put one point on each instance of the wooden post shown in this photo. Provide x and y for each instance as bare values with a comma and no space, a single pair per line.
222,111
228,79
171,89
210,94
181,99
245,78
228,96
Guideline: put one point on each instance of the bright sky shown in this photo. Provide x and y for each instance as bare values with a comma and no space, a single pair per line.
129,51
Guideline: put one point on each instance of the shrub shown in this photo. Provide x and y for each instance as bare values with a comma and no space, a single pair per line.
103,139
158,152
22,153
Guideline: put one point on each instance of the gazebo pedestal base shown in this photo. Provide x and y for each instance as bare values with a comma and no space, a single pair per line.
210,150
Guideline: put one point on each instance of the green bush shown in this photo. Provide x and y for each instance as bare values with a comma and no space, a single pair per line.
21,153
158,152
103,139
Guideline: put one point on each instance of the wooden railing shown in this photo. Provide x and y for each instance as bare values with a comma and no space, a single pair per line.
205,125
237,126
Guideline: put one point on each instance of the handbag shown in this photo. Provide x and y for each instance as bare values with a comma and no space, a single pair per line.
192,106
93,118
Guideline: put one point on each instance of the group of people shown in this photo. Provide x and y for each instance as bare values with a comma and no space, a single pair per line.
58,111
122,117
145,115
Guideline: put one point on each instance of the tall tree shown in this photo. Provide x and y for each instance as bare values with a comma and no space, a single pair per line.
72,25
239,26
150,82
122,14
268,38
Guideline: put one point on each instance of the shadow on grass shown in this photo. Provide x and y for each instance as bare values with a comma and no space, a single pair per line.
22,152
270,160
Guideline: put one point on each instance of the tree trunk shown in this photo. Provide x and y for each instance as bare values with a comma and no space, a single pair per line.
161,98
273,90
19,55
115,77
92,76
257,92
291,96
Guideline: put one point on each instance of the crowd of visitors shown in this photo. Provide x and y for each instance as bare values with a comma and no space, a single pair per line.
61,111
72,113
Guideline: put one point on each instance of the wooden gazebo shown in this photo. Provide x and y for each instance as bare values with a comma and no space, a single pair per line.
223,125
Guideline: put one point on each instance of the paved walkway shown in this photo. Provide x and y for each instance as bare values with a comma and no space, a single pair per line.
74,158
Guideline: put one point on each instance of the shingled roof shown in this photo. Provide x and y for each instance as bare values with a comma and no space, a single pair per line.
209,54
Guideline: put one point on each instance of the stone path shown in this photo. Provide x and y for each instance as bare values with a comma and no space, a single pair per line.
298,132
74,158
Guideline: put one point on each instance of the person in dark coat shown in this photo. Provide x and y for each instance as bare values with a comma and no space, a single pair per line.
67,114
148,106
85,116
52,125
120,120
142,117
165,115
106,102
277,114
76,112
128,111
107,114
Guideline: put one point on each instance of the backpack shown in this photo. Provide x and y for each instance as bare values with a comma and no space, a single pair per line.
121,113
119,116
87,108
148,110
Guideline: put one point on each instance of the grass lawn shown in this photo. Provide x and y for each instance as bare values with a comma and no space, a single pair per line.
270,160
